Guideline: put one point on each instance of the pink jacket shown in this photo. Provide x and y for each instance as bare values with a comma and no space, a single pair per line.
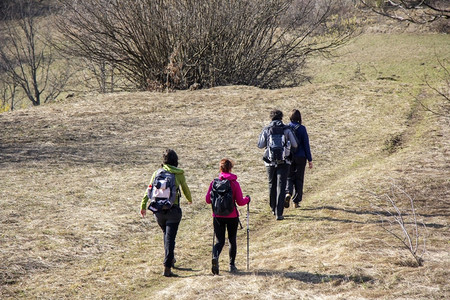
237,194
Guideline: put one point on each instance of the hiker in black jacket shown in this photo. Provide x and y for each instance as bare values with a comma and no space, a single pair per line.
278,141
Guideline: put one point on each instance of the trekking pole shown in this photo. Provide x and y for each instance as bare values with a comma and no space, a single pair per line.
248,234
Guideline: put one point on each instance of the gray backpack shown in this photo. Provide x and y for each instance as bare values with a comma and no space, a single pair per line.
163,191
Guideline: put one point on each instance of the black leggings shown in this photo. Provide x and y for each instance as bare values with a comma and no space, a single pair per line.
169,222
220,225
296,178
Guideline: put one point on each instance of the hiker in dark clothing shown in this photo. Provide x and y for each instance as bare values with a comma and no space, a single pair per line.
169,219
278,140
297,170
230,221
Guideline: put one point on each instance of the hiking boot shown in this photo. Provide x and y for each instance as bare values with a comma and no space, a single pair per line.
168,272
279,218
287,200
233,269
215,266
297,204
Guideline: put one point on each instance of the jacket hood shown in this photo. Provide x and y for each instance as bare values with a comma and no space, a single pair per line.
276,123
228,176
173,169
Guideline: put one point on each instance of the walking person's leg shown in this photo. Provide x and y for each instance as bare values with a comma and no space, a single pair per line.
232,227
161,220
169,221
290,184
271,174
298,181
219,230
281,178
169,242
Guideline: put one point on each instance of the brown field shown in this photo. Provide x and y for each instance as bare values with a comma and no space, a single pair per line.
72,175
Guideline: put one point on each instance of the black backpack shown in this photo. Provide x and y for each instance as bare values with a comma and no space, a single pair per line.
276,143
222,197
162,192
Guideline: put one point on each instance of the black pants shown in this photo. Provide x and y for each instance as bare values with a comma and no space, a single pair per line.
277,187
230,225
169,221
295,178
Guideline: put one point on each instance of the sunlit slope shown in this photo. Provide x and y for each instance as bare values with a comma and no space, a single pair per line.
73,174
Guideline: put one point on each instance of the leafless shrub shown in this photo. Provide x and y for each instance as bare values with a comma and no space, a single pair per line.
210,42
399,218
414,11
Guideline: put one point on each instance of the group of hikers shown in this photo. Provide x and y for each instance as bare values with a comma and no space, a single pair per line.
286,154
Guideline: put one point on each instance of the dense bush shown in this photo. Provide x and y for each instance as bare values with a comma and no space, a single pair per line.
178,43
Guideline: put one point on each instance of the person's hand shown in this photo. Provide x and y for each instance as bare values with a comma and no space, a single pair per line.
310,163
249,199
189,202
143,212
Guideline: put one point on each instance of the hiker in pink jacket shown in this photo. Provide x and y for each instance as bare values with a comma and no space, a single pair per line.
224,193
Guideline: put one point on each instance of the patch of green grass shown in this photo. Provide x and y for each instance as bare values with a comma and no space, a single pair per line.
399,58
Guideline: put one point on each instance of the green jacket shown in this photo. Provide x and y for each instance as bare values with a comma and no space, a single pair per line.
180,180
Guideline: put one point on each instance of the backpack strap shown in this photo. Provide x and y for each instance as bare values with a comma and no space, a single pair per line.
294,129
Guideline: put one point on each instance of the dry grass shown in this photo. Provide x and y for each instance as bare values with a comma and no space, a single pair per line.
73,174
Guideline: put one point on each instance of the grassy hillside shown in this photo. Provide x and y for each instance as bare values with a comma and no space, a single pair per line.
73,174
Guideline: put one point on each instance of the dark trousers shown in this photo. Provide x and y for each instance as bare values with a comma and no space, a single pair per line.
169,221
295,178
277,187
230,225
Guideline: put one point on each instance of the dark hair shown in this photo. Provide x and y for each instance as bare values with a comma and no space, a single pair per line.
276,115
296,116
170,158
226,165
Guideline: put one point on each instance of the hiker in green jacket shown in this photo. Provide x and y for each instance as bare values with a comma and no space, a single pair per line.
168,219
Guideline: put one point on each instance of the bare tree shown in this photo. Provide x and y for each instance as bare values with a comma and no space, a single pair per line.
179,43
415,11
25,54
400,219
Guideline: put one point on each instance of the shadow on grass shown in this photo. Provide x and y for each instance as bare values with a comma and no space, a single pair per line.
306,277
185,269
184,272
358,212
367,212
313,278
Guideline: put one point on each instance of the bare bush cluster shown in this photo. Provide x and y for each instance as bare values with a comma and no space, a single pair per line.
180,43
415,11
399,218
